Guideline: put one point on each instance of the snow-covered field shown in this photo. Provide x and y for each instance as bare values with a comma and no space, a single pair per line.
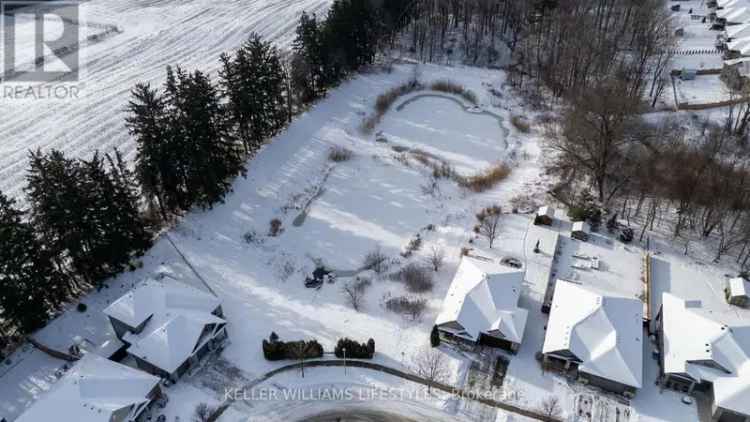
155,33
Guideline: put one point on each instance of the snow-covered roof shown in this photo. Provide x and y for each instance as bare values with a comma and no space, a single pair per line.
730,3
741,45
92,391
735,14
738,31
603,331
581,226
546,211
483,298
178,314
739,287
694,340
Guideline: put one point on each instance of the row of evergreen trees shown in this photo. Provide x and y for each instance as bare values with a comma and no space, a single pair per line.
82,226
84,221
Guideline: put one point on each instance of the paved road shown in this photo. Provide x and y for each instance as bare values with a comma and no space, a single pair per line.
359,415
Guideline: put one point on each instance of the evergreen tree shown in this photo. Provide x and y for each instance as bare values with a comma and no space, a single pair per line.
308,73
350,36
87,215
254,82
206,153
435,336
30,286
153,165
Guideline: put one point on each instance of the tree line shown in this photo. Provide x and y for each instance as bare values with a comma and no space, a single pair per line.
89,219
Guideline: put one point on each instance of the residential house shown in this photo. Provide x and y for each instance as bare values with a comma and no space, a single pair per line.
596,336
96,390
482,305
699,353
168,326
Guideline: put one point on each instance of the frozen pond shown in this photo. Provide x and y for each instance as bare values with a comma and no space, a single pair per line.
468,138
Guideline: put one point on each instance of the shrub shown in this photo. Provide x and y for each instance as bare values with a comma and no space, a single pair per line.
275,228
203,413
414,244
82,307
385,101
451,87
376,260
486,179
435,336
354,350
418,279
521,124
412,307
340,154
274,349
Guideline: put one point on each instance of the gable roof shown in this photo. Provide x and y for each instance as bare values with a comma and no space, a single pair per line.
604,332
483,297
178,315
91,392
693,339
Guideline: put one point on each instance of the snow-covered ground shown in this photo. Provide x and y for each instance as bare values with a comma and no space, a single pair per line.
155,33
376,199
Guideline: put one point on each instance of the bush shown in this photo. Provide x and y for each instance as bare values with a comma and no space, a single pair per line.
203,413
82,307
418,279
414,245
486,179
435,337
275,228
451,87
355,350
521,124
385,101
413,307
376,260
340,154
274,349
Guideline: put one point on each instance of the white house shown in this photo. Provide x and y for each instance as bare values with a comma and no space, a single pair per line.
96,390
597,334
700,353
738,292
482,305
168,326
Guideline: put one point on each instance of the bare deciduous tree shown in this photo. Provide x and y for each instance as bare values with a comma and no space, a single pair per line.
203,413
431,365
436,258
488,223
355,292
550,407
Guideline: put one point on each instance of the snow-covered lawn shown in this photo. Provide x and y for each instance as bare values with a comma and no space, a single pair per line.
374,200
